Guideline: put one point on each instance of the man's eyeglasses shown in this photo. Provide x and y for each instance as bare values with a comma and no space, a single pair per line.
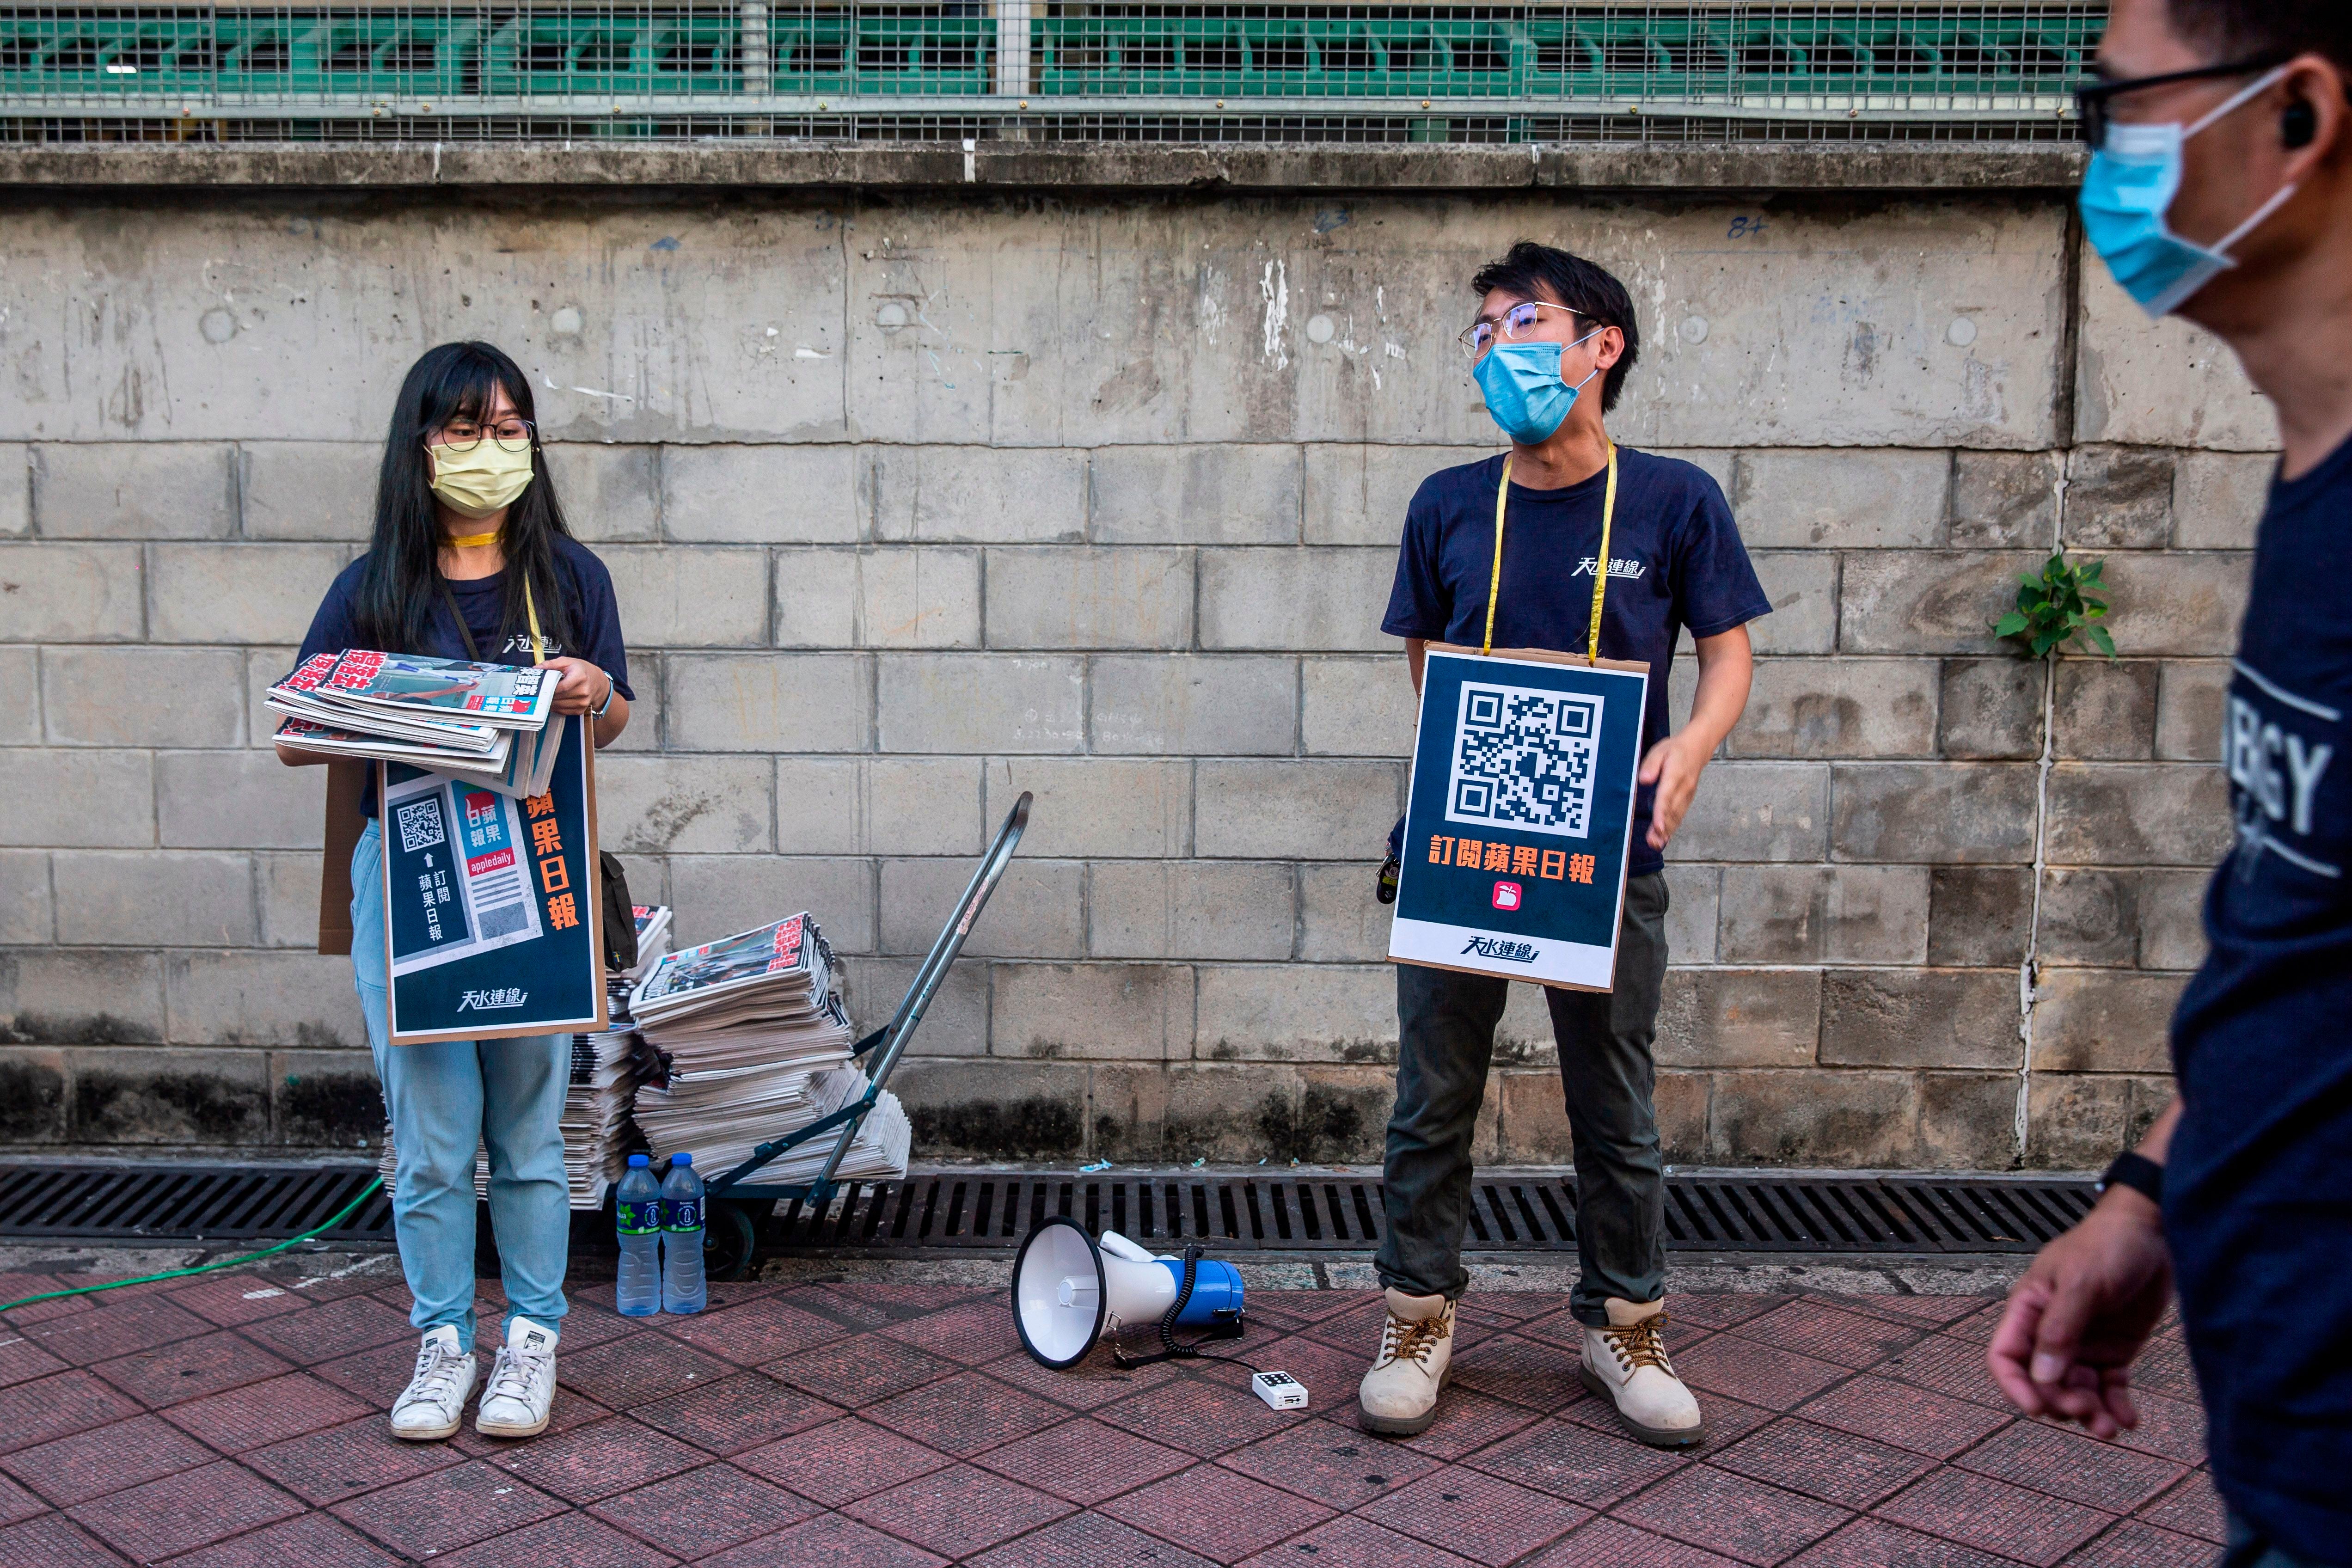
1515,323
2091,101
511,434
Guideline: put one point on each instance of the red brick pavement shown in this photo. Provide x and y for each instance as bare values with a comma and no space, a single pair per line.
239,1419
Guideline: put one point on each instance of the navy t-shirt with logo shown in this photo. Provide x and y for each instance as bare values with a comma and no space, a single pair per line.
1675,562
2258,1185
593,618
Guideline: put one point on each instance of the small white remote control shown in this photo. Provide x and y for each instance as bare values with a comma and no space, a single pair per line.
1279,1390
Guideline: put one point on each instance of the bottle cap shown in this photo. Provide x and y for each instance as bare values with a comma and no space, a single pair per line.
681,1159
639,1161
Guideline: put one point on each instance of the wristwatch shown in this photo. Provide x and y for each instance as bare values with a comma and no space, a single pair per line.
610,686
2141,1174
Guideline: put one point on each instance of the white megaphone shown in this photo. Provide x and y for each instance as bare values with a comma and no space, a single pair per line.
1068,1290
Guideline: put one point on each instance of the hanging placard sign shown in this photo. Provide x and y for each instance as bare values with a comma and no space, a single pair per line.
1521,815
492,912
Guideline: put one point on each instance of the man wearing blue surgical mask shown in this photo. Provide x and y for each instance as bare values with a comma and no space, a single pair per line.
2220,188
1512,552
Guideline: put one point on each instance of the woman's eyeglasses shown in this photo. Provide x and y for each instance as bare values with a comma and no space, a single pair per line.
511,434
1515,323
2092,102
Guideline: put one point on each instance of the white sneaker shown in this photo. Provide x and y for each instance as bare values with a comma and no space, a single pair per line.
1398,1396
1626,1365
516,1400
435,1399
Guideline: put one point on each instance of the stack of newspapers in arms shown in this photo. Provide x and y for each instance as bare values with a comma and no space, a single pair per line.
758,1045
600,1132
482,723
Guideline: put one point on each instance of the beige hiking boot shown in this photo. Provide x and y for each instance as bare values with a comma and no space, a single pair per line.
1626,1365
1398,1396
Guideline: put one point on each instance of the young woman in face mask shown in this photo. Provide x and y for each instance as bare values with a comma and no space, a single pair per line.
469,547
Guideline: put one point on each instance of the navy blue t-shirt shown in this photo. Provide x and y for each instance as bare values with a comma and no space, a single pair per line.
1675,561
2257,1185
593,618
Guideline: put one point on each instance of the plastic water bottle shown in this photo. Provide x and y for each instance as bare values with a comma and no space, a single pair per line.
637,1217
683,1289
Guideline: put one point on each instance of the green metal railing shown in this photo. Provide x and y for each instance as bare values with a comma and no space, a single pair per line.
1891,65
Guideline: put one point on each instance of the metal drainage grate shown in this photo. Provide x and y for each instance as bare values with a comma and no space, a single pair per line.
188,1202
1530,1212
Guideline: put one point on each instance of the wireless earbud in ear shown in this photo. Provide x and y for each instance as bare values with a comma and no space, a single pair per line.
2298,125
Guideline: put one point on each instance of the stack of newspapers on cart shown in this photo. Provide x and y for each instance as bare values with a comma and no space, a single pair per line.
758,1045
481,723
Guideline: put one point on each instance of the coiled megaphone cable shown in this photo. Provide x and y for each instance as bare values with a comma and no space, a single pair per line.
1172,1349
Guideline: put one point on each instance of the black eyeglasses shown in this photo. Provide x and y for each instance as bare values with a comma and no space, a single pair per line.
511,434
2091,103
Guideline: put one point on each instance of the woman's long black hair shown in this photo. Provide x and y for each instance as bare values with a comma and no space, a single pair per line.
401,584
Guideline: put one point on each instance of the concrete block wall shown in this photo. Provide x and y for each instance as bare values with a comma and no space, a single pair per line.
913,504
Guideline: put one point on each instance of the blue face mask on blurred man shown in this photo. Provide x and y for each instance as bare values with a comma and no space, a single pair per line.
2133,176
1525,391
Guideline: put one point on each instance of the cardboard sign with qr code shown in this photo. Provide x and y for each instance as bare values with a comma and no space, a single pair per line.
1520,820
493,917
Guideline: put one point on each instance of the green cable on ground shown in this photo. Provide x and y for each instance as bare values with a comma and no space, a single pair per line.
366,1193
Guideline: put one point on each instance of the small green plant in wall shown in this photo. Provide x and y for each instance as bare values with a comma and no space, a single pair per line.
2057,610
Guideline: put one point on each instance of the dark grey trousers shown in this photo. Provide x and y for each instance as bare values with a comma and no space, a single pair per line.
1446,1021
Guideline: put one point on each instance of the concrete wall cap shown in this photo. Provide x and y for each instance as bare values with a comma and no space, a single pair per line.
2015,166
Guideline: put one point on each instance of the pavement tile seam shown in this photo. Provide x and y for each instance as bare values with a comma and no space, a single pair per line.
48,1539
641,1521
297,1541
450,1492
1065,1542
2055,1477
162,1518
1181,1526
1272,1544
1486,1525
1659,1508
1990,1515
2134,1543
883,1511
570,1534
28,1466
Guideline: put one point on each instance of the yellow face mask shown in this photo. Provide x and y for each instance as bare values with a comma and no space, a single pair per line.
479,482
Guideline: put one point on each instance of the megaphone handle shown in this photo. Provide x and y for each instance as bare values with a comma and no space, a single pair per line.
1171,1350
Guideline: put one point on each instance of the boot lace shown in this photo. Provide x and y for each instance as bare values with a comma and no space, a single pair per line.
1638,1345
1404,1338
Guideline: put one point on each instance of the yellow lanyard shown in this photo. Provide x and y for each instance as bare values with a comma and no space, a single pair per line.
538,646
1601,563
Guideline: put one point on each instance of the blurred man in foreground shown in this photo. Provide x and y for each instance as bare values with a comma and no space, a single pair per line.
2220,188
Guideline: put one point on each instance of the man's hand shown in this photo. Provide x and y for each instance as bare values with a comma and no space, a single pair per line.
1725,665
580,686
2078,1319
1674,765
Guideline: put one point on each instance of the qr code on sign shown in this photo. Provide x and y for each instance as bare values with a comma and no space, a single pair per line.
420,824
1524,759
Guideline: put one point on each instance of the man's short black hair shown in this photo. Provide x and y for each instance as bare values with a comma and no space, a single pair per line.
2255,29
1548,272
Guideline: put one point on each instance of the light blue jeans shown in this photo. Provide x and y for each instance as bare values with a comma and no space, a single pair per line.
445,1100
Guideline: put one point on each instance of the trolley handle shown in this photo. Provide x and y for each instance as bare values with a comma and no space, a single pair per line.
917,1000
891,1038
